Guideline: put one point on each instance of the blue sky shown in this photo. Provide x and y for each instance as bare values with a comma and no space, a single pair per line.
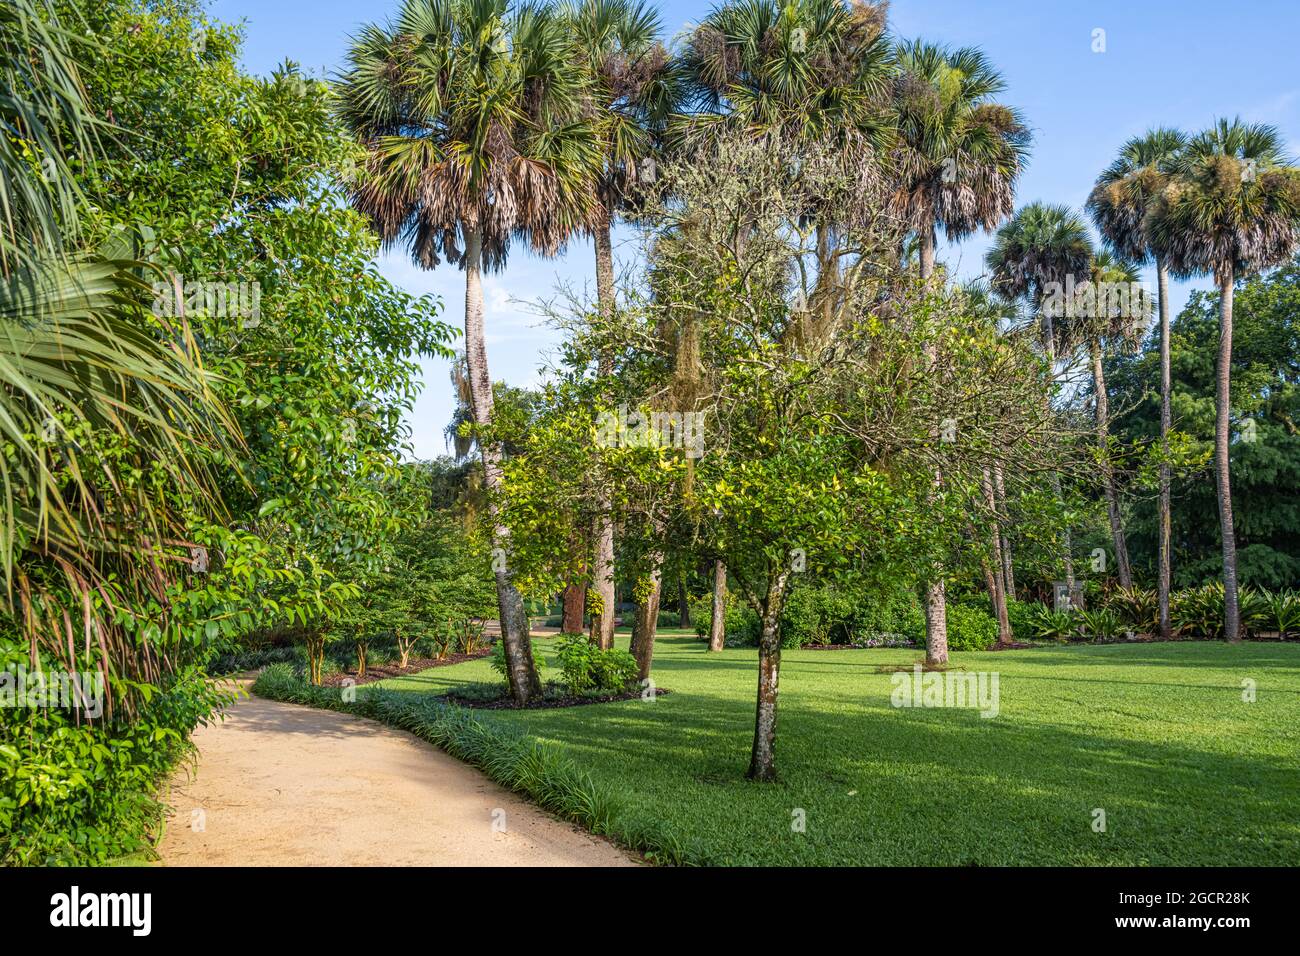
1171,62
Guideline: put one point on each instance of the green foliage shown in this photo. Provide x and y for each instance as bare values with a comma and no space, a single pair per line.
1100,623
1051,625
587,669
1022,616
1138,609
970,628
1284,608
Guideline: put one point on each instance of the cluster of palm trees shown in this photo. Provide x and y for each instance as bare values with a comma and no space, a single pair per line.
486,122
1224,202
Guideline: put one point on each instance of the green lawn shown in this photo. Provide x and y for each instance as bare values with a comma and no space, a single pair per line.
1156,735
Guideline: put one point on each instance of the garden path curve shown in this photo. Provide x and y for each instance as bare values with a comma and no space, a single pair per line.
280,784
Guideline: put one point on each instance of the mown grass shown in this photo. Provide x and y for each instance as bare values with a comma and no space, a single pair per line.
1156,735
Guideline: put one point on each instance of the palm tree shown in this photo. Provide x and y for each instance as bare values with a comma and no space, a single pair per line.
470,118
1120,205
957,155
79,356
631,94
808,68
1118,312
1039,250
1231,208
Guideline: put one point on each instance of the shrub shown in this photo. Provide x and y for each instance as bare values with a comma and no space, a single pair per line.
589,670
1050,625
970,629
1198,612
1100,624
1137,608
1284,612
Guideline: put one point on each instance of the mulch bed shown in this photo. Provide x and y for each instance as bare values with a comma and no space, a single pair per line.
1013,646
378,672
546,703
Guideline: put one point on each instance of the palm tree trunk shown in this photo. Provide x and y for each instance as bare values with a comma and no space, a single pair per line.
1222,425
936,606
1049,347
1102,409
762,760
1165,572
1008,571
524,683
602,571
718,623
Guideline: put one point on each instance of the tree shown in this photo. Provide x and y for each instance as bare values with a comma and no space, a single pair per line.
469,115
631,94
1231,209
1112,308
1120,206
1042,245
957,156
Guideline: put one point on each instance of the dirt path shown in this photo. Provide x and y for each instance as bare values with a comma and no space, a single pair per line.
288,785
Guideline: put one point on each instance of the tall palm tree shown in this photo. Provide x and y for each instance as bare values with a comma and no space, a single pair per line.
631,94
1116,313
1042,246
470,114
1120,206
1231,208
956,155
958,152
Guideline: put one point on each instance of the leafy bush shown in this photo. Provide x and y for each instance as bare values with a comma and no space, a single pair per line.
741,625
1137,608
1284,612
589,670
84,793
1100,624
970,629
1198,612
1051,625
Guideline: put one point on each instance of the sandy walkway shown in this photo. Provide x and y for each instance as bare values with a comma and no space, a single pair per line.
289,785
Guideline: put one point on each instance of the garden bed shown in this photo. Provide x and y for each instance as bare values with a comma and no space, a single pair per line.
378,672
551,698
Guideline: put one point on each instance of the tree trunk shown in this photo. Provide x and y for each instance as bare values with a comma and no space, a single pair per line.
762,760
524,682
993,573
683,602
1165,572
1222,426
1008,571
602,572
1049,347
718,624
647,619
575,599
1102,408
936,609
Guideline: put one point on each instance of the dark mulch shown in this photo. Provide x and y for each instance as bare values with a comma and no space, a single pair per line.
1014,646
378,672
545,703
